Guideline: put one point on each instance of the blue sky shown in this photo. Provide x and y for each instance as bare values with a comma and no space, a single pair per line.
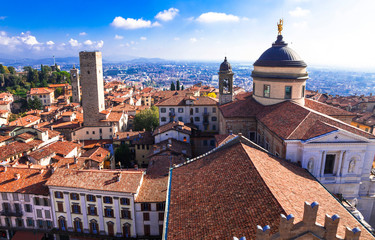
325,33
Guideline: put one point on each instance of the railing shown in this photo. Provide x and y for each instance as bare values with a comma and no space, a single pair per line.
11,214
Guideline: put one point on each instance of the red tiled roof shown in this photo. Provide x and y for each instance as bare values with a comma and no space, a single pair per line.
177,126
98,154
36,91
41,153
13,149
222,138
153,189
63,148
326,109
180,101
229,192
102,180
31,181
178,147
26,120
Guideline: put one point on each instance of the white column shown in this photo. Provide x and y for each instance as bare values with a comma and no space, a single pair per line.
117,215
68,211
100,212
132,209
84,213
339,166
323,162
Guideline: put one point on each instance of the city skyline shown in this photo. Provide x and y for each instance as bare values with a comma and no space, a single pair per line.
320,32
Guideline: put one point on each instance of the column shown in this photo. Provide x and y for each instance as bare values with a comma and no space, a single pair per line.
84,213
323,162
100,212
117,215
68,211
338,172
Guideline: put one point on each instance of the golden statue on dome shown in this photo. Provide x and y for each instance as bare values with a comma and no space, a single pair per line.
280,26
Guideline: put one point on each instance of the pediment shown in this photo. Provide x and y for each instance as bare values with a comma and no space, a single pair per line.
339,136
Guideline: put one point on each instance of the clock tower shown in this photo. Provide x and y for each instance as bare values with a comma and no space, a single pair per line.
225,83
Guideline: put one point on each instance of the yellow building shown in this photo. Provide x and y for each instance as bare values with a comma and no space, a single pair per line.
365,122
94,202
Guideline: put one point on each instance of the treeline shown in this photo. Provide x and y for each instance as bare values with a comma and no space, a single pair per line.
20,83
177,86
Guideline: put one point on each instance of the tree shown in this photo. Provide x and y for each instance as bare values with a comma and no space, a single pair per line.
147,119
58,92
35,103
122,155
182,87
178,85
173,88
12,70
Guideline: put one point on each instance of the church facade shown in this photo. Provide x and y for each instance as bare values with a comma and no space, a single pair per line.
316,136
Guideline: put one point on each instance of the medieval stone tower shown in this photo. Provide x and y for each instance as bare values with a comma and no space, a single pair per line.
225,83
92,88
76,86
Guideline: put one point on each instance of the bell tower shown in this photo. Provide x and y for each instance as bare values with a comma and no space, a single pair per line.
225,83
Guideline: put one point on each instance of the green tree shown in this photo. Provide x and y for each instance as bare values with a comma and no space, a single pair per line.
58,92
147,119
12,70
2,69
182,87
35,103
173,88
178,85
122,155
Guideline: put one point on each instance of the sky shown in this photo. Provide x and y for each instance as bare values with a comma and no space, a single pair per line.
334,33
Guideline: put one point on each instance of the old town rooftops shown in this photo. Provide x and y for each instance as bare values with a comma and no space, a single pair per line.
212,199
24,180
177,126
182,101
126,181
40,91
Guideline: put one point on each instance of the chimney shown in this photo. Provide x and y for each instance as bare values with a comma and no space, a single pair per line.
17,176
67,165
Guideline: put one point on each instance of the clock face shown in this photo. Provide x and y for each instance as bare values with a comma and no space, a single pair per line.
226,85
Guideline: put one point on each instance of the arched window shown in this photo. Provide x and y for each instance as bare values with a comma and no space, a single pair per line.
94,228
62,223
77,225
126,230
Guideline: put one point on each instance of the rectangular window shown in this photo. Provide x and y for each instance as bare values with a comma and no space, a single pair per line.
40,223
30,222
214,110
60,207
205,142
212,143
330,163
163,110
146,207
288,92
266,90
108,199
146,216
125,213
39,213
196,110
180,119
4,196
6,207
100,130
161,216
46,202
37,201
160,206
93,132
197,119
252,136
15,196
26,197
108,212
28,208
47,214
49,224
87,132
180,110
8,223
125,201
92,210
90,198
303,91
76,208
147,230
214,119
74,196
58,195
17,207
253,87
19,222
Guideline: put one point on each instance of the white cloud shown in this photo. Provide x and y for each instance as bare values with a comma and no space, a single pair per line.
176,38
28,39
50,43
167,15
212,17
73,42
82,34
193,40
118,37
88,42
6,40
131,23
3,17
100,44
299,12
143,38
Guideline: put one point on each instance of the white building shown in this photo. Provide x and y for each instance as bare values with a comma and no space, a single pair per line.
45,95
175,130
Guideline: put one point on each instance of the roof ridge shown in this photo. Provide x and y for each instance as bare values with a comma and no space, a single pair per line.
298,126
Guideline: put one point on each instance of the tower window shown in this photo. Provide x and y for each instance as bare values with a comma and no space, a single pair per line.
303,91
266,91
88,72
288,92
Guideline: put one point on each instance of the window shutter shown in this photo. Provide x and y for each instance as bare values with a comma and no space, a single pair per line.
96,212
59,223
87,198
88,212
79,209
94,198
80,226
128,214
127,201
142,207
71,196
122,214
55,194
110,200
91,228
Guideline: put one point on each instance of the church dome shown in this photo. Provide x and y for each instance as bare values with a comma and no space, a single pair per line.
279,55
225,66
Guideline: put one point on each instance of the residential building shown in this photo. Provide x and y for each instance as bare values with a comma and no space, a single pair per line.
176,130
96,202
45,95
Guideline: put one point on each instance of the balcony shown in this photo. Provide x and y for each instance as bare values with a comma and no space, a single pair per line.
11,214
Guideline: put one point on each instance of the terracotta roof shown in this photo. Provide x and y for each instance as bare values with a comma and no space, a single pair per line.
36,91
177,147
153,189
326,109
63,162
124,107
102,180
41,153
5,102
222,138
24,121
98,154
63,148
129,135
14,148
250,188
242,108
180,101
144,138
366,118
31,181
96,143
114,117
26,135
177,126
159,164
